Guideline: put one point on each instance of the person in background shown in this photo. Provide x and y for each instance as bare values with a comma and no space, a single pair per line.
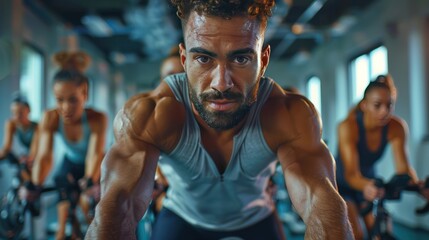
171,64
20,136
220,127
82,131
363,137
19,147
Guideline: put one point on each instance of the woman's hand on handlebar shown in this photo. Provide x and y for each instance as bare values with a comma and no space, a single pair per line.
424,191
29,192
371,192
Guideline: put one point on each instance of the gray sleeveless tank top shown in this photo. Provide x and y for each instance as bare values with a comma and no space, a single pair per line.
198,192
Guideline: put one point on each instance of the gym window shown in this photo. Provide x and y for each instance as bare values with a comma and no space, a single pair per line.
365,68
314,92
31,81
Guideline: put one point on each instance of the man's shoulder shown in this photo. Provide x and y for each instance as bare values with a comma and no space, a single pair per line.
289,104
160,100
154,116
285,115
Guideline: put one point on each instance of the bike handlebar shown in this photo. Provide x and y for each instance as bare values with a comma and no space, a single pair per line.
393,190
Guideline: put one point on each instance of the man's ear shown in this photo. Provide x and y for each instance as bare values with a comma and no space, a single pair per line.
182,50
265,58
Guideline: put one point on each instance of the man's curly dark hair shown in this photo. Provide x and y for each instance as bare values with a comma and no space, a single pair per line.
260,9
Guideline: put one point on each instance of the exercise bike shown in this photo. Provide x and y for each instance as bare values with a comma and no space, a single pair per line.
393,190
13,209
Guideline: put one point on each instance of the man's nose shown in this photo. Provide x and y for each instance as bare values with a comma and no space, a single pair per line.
222,80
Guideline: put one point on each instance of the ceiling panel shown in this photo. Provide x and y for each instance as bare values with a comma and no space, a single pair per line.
148,29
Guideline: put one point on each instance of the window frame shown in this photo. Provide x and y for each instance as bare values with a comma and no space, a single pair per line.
319,106
42,98
353,98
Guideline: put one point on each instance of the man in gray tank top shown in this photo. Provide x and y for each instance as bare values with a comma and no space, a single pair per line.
219,129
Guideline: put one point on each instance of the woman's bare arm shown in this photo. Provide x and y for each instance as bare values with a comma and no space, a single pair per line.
96,145
9,129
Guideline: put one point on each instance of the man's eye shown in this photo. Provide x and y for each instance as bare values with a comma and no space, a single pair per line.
203,59
241,59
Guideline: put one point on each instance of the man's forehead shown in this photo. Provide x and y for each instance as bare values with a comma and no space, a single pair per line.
208,25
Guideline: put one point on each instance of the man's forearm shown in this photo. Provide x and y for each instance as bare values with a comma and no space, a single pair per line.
329,220
112,222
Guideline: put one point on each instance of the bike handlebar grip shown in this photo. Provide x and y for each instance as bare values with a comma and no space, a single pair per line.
379,182
366,209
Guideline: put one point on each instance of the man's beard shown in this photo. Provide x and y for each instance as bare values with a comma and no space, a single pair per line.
222,120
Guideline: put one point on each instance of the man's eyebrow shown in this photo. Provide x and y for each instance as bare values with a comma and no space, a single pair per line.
203,51
242,51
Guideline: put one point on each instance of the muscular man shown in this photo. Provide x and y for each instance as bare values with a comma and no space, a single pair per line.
220,127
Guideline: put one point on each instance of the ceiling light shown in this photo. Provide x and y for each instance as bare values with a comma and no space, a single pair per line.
97,26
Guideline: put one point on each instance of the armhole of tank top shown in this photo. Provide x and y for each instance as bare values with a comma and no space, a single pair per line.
85,121
173,83
266,93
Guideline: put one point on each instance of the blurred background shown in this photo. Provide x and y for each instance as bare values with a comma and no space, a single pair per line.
328,49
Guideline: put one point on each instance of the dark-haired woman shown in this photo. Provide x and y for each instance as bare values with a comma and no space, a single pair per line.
363,137
82,131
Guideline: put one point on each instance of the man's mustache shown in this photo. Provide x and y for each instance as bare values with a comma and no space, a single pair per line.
217,95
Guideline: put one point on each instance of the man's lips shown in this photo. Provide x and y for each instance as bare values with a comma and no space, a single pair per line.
221,105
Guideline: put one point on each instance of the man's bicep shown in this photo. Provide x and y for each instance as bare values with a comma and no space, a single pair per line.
119,128
128,172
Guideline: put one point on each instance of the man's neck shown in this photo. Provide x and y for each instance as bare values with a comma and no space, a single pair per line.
221,133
